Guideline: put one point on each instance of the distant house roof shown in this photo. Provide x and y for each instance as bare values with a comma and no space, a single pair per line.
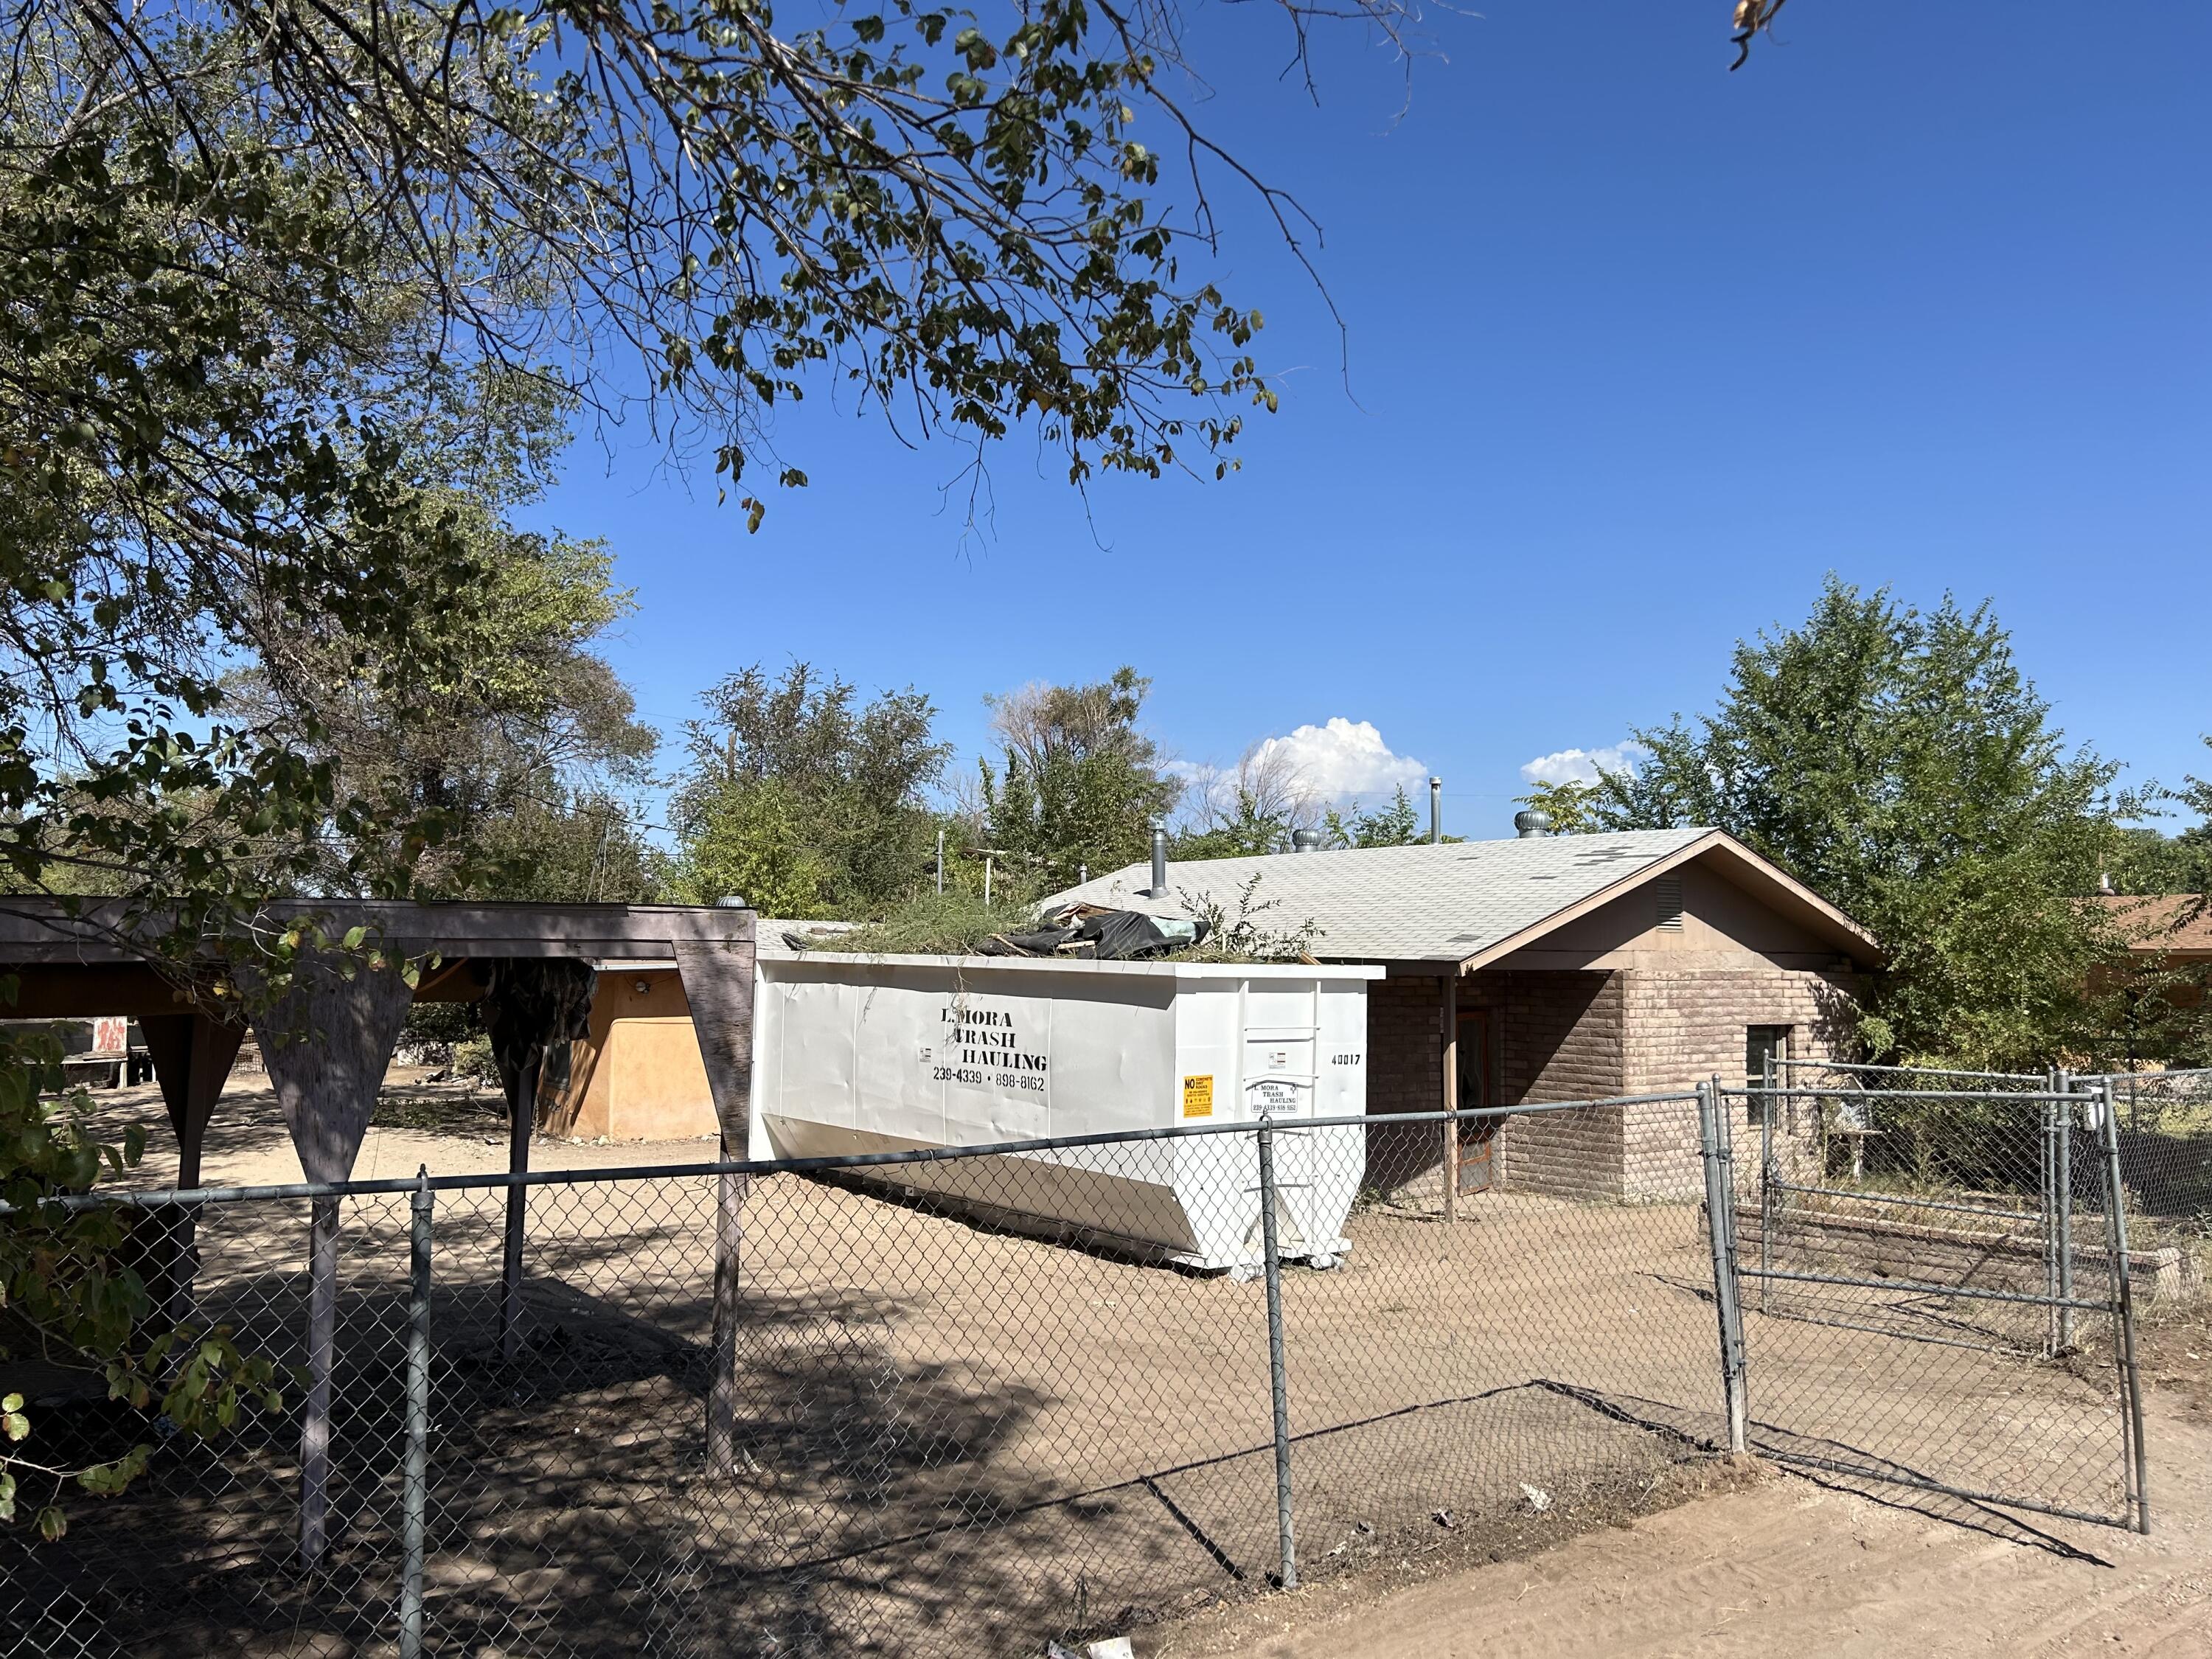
2163,924
1466,902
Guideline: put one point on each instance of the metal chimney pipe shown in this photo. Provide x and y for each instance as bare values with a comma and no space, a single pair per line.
1160,861
940,858
1436,810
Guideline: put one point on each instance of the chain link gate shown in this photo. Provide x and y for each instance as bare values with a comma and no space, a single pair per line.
1936,1288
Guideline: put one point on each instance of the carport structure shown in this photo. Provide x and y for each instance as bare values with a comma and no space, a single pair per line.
328,1031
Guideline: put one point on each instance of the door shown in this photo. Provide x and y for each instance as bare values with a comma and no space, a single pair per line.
1480,1079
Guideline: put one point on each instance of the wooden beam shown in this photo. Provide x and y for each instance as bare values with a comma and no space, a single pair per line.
327,1041
36,930
79,991
192,1055
718,982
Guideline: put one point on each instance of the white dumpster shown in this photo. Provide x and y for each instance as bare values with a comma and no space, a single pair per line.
862,1053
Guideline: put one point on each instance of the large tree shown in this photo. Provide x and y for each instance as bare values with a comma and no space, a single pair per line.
517,740
961,215
1079,783
1898,762
802,799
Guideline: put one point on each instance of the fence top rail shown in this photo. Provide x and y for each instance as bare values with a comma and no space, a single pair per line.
2177,1075
161,1196
2010,1097
1916,1071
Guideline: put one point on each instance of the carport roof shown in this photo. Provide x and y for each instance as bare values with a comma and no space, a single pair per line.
1465,902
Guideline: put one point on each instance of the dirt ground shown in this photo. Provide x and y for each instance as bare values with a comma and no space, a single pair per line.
1782,1565
952,1439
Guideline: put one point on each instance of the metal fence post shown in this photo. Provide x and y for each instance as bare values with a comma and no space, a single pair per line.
2063,1179
2048,1209
1448,1020
1278,1374
1766,1174
1719,1195
415,1474
2123,1307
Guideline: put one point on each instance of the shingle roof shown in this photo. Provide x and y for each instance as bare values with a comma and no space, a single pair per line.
2164,923
1447,902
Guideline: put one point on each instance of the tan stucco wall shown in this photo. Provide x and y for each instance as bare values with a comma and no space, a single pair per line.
638,1075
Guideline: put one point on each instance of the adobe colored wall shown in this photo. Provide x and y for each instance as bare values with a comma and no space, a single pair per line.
638,1075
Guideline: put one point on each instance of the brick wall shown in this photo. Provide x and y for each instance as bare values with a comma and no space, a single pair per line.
1563,1040
1405,1073
1683,1028
1578,1036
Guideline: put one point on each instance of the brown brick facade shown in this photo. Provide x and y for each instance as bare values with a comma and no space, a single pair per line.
1578,1036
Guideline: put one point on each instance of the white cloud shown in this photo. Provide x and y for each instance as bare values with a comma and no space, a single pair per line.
1342,757
1583,765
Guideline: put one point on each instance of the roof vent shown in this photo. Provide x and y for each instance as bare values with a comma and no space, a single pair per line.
1305,840
1667,891
1532,823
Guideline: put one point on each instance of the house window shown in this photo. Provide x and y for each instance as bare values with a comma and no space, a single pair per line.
1761,1044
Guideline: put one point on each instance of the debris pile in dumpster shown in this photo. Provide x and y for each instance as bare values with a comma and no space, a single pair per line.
1097,931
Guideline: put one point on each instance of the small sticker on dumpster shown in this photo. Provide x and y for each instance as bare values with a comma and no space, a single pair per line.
1198,1095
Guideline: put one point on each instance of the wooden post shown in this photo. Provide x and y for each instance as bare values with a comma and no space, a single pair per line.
532,1007
522,1119
1450,1014
192,1056
718,982
328,1040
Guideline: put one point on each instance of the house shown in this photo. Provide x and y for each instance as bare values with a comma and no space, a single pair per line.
2170,929
1548,968
2162,993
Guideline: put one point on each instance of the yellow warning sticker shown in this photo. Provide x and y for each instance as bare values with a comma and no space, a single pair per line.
1198,1095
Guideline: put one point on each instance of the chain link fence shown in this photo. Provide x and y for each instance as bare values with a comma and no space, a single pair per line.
884,1405
1937,1275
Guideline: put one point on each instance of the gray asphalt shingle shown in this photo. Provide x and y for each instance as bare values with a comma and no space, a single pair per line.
1422,904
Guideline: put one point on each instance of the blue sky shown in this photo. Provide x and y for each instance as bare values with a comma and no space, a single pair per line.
1639,351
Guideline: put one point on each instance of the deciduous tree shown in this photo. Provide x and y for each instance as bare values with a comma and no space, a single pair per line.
804,801
1899,763
1079,784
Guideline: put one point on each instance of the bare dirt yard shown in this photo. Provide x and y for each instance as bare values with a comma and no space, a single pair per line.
1784,1566
955,1440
